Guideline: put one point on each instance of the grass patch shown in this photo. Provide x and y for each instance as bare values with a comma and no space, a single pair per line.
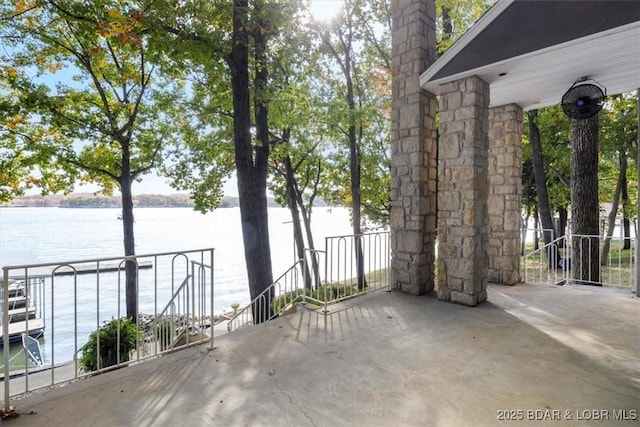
322,294
380,276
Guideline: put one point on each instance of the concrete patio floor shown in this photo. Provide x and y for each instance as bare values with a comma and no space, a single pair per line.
541,355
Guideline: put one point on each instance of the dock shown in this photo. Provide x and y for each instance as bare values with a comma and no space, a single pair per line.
16,329
28,258
92,268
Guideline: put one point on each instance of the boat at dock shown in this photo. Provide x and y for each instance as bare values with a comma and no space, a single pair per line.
23,319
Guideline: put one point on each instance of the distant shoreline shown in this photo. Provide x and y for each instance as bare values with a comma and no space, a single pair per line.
89,200
92,201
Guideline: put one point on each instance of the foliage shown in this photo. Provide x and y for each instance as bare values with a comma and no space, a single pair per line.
322,293
101,102
618,136
454,17
26,158
356,92
555,137
618,127
98,95
117,339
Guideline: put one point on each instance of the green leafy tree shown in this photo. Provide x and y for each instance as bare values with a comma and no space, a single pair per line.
297,165
454,17
229,50
98,93
619,129
553,155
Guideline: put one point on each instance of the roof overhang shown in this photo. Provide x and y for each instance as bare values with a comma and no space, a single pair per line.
531,52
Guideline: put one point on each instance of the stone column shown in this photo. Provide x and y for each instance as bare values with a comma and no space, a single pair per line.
413,148
463,191
505,192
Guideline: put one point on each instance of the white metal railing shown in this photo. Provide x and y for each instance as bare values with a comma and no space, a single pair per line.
558,263
73,299
344,257
287,288
348,257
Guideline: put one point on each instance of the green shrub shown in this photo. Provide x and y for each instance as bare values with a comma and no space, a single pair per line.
333,292
109,349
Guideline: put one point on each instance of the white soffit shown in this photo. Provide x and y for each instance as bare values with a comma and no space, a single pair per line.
540,78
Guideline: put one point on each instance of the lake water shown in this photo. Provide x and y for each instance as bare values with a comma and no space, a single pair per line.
58,234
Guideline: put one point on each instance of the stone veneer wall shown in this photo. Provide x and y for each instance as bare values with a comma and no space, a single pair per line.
463,190
505,192
413,149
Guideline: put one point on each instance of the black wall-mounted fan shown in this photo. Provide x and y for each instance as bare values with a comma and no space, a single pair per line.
583,99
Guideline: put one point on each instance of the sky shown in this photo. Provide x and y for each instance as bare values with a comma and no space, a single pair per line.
153,184
322,10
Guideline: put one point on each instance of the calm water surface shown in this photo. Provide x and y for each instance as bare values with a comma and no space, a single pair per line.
60,234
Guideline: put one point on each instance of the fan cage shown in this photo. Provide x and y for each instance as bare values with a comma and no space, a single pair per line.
583,100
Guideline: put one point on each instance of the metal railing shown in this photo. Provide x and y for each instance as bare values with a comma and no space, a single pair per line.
285,291
73,299
353,266
185,319
559,263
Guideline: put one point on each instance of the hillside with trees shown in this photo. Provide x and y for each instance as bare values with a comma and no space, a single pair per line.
88,200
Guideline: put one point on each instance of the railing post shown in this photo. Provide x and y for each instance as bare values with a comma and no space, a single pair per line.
326,284
305,272
5,332
211,345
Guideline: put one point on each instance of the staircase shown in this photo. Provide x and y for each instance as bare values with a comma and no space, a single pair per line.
340,279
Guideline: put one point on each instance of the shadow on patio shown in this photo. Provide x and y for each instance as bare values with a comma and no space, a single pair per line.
386,359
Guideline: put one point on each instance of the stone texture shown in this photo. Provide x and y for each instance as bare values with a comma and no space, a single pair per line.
413,148
505,189
463,192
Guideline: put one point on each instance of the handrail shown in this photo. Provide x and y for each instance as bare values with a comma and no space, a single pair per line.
542,252
244,317
184,283
338,270
164,337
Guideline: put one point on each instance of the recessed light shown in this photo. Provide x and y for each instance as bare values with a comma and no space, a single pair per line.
502,74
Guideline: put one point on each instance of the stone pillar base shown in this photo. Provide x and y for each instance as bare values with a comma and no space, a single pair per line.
505,192
463,190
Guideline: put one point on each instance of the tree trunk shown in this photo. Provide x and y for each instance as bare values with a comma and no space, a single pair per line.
561,229
251,176
611,221
354,157
544,208
131,270
536,233
295,217
626,224
306,218
584,201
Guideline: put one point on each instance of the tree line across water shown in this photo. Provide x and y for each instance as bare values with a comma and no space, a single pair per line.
139,201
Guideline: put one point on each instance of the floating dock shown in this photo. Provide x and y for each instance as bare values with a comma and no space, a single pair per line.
92,268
